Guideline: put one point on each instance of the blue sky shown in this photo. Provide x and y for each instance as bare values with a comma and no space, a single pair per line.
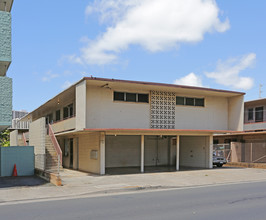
217,44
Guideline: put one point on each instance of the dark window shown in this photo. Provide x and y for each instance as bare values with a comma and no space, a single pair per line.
71,110
250,114
259,114
131,97
119,96
143,98
190,101
57,115
180,100
65,112
199,102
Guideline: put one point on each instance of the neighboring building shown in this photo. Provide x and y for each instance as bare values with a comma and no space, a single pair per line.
16,120
255,115
102,124
5,60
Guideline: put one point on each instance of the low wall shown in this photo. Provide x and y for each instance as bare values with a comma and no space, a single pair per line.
247,165
23,157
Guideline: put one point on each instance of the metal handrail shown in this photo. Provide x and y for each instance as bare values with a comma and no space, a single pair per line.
55,143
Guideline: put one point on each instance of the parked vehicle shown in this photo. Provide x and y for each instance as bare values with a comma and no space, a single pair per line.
218,161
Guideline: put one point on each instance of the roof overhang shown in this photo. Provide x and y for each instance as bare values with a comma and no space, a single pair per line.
136,131
6,5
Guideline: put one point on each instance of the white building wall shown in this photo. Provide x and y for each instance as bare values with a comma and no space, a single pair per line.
194,151
214,116
14,138
81,105
236,113
103,112
37,134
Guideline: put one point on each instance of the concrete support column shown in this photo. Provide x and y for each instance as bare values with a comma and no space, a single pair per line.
210,151
142,155
102,153
177,152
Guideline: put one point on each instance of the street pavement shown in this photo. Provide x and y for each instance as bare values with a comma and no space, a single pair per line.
243,201
78,184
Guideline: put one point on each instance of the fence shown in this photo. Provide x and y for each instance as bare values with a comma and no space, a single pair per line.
254,152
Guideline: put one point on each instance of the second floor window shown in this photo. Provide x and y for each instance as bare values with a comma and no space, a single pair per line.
131,97
250,114
68,111
190,101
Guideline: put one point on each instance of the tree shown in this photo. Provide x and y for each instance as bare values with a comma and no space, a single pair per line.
5,138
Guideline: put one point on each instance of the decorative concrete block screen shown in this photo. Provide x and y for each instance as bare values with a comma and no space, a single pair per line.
23,157
163,110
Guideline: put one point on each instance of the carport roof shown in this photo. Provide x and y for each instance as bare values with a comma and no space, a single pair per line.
156,131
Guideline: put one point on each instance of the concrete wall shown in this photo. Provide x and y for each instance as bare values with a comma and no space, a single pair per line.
194,151
214,116
37,134
14,138
5,36
23,157
103,112
236,113
81,113
6,101
87,144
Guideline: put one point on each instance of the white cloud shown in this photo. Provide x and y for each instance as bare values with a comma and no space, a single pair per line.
190,80
155,25
227,72
66,85
49,76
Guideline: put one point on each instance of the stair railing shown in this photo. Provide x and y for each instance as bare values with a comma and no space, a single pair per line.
55,144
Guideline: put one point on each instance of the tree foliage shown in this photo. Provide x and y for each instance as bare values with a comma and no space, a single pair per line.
5,138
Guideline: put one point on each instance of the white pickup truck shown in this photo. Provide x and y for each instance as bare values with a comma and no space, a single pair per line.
219,161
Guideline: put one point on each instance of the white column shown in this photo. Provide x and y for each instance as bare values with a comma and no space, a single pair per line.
210,151
142,155
102,153
177,152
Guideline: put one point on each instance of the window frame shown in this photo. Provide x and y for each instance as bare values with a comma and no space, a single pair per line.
131,101
186,99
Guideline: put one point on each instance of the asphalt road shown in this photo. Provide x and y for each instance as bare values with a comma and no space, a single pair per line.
236,201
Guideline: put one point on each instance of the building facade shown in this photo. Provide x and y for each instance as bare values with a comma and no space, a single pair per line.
104,124
5,60
255,115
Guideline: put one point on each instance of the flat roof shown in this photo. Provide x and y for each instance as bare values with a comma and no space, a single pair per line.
245,133
162,85
256,101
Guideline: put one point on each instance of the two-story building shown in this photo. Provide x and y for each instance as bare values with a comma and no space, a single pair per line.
5,60
104,124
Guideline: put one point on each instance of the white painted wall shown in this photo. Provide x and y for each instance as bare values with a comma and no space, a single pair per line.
14,138
81,105
194,151
236,113
214,116
103,112
37,134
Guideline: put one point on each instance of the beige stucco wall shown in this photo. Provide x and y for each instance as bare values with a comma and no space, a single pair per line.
103,112
87,143
214,116
194,151
37,134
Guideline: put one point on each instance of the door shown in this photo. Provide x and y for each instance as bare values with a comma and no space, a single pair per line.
71,153
259,114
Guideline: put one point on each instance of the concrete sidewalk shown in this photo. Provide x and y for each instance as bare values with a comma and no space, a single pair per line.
79,184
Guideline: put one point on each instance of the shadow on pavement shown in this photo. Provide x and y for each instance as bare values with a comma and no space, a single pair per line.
6,182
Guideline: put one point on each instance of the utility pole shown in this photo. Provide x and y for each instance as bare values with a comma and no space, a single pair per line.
260,91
